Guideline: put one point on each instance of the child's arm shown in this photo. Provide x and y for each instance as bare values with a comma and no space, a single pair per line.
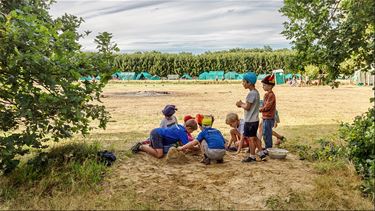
246,106
230,143
268,104
188,145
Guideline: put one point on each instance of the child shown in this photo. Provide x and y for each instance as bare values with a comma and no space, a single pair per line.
186,118
236,133
279,138
268,110
212,141
161,137
169,119
251,113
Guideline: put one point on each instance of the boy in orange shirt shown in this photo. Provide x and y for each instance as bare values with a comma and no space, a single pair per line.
268,110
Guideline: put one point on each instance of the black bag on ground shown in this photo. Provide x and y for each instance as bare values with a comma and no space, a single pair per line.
106,157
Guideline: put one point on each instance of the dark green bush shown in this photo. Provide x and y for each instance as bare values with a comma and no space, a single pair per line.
360,136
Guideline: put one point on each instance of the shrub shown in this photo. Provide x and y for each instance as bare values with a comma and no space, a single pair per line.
360,138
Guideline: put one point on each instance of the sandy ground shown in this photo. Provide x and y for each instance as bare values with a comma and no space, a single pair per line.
232,185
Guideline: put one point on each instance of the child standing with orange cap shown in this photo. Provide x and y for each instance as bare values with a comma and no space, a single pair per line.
268,110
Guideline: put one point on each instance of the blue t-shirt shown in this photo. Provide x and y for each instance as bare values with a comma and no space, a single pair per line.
173,134
213,137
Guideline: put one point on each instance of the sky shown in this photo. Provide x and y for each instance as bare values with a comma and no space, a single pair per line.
175,26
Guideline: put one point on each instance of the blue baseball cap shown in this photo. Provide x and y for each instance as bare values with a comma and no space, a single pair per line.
250,77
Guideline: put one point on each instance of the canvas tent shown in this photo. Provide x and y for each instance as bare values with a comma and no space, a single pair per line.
261,76
143,76
203,76
186,76
90,78
215,75
155,77
173,77
289,76
232,75
124,75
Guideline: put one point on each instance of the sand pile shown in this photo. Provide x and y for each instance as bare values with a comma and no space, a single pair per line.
176,157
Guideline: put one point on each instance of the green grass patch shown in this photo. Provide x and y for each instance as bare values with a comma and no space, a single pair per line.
70,168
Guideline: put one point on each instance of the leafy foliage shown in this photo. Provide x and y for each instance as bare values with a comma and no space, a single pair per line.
41,62
73,167
240,60
360,138
328,32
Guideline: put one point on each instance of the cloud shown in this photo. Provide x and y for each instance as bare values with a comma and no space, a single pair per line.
180,25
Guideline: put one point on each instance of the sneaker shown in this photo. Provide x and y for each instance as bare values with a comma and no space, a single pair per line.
265,152
249,160
135,148
263,157
206,161
220,161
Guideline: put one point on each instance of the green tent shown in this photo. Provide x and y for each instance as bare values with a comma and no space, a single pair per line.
90,78
186,77
261,76
143,76
288,76
203,76
124,75
215,75
155,77
231,75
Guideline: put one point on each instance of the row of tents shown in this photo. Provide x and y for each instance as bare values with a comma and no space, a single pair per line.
281,78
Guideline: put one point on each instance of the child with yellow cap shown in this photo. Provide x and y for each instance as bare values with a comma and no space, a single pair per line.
211,140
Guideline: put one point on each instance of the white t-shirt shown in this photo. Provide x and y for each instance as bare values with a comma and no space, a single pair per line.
168,122
252,114
241,126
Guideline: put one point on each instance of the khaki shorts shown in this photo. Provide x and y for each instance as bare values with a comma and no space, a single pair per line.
213,154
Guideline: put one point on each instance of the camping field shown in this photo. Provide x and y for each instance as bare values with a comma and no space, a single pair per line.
139,181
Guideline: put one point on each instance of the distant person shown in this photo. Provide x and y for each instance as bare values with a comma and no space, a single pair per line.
251,116
161,137
268,110
211,139
236,132
169,118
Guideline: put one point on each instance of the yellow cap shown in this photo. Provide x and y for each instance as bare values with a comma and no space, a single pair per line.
207,120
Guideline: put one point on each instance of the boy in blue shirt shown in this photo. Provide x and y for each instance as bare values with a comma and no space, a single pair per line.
211,139
161,137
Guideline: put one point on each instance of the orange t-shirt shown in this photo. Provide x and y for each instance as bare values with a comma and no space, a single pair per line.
269,106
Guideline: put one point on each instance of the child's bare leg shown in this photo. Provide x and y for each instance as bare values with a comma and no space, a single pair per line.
258,144
260,131
158,153
276,135
252,146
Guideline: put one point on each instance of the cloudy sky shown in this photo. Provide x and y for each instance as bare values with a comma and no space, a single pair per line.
180,25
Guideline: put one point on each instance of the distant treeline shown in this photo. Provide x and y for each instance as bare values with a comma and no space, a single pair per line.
239,60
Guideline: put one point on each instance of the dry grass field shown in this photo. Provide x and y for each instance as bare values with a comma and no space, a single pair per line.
142,182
